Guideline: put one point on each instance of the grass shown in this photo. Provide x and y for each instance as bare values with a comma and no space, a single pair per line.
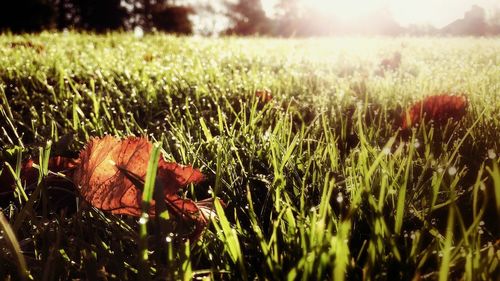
318,184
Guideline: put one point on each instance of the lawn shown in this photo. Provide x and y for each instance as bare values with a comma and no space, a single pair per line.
318,181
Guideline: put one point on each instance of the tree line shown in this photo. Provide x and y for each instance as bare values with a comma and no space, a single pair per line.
249,18
94,15
245,17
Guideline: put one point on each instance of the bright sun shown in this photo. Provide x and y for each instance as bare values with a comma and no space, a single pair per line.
345,10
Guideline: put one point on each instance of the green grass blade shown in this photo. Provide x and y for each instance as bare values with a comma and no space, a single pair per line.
495,175
16,249
444,269
147,196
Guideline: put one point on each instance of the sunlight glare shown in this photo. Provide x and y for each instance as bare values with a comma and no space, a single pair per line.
346,10
439,13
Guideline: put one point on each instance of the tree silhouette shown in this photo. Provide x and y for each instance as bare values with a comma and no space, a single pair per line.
26,15
65,14
161,15
473,23
289,19
249,18
172,19
100,15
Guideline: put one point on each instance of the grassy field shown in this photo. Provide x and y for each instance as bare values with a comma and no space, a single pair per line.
318,183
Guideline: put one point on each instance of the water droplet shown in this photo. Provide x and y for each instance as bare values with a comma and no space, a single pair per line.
416,144
143,219
452,171
340,198
492,154
138,32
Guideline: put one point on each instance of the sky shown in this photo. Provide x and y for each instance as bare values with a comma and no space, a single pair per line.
436,12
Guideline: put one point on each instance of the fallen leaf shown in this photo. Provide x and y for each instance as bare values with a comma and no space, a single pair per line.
389,64
111,177
437,108
39,48
263,95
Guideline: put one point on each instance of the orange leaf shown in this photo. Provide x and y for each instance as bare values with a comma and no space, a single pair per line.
264,96
438,108
111,177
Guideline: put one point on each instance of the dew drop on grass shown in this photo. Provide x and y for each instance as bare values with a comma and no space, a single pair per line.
452,171
386,150
416,144
340,198
492,154
143,219
168,239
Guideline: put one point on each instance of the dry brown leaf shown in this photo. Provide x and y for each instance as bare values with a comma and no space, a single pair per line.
111,177
263,96
437,108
